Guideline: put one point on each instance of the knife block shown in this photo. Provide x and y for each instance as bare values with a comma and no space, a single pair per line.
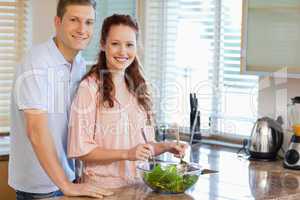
195,127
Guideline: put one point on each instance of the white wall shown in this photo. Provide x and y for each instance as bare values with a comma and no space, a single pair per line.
274,95
43,12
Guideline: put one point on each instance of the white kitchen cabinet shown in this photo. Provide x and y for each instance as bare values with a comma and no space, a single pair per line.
271,37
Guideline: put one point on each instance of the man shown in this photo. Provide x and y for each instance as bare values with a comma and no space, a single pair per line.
44,85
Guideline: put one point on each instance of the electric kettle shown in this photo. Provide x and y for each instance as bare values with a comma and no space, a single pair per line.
266,138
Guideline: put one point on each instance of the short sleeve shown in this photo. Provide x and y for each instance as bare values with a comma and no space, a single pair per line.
30,88
82,120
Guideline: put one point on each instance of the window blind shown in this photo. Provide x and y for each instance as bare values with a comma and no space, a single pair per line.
168,30
159,53
238,93
13,38
194,46
201,60
106,8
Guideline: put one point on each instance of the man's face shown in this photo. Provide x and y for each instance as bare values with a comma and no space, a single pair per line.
74,30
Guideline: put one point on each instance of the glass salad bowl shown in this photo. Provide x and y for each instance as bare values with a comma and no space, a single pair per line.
170,178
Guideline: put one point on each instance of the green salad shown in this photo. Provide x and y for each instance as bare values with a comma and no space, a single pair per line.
169,179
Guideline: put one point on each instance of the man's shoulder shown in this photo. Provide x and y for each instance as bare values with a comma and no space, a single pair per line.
40,48
37,55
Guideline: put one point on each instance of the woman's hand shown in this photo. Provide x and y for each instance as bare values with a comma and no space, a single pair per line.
177,149
140,152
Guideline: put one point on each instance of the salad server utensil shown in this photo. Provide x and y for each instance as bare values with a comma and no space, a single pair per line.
146,141
183,165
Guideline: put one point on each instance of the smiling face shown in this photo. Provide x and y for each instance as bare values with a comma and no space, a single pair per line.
120,47
74,30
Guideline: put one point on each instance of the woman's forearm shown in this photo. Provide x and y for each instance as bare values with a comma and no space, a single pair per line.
105,156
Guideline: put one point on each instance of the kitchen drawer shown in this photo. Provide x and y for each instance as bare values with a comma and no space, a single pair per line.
6,192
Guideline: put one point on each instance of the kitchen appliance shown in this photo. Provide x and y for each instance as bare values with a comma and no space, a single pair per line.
292,156
266,139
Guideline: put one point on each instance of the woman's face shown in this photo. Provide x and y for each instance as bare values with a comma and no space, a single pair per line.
120,47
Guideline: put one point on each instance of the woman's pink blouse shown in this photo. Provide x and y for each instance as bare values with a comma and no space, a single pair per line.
108,128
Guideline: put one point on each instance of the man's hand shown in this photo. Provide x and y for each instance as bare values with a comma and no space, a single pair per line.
85,189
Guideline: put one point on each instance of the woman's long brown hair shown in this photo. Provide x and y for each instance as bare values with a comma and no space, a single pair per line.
135,82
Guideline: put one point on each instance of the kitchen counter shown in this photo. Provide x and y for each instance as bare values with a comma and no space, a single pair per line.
237,179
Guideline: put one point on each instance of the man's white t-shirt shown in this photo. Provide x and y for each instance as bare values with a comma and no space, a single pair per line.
45,81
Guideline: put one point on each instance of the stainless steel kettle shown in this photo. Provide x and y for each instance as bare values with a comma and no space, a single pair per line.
266,138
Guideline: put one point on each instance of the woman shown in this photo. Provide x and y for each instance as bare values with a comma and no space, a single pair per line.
111,110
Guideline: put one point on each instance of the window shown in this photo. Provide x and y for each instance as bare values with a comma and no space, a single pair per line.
194,46
13,38
106,8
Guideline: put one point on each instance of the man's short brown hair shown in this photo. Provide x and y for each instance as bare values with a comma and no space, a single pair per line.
62,5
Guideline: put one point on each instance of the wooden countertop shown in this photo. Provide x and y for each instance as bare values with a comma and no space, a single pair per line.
237,179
